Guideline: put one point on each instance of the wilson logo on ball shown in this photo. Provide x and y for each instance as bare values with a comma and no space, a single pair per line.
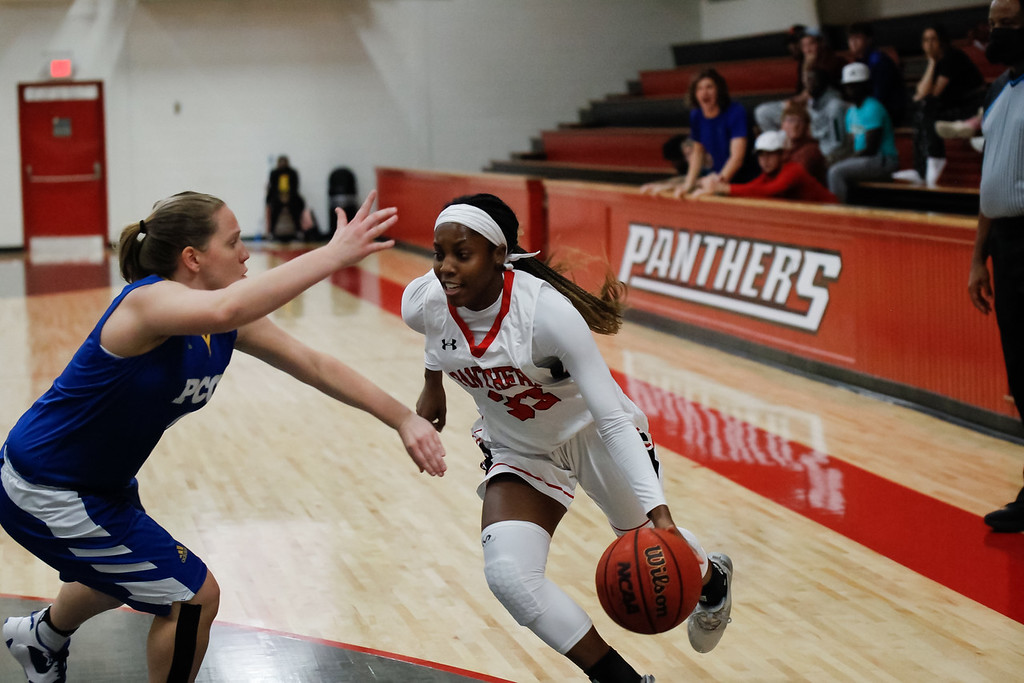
649,580
659,577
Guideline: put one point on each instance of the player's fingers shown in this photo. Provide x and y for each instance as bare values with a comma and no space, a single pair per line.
364,210
431,460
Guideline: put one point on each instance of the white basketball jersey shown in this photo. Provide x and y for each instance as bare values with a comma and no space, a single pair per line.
523,406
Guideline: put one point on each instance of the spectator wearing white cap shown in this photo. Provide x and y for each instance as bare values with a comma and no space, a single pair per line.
870,129
779,179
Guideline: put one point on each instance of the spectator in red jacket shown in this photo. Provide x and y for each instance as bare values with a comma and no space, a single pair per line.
782,180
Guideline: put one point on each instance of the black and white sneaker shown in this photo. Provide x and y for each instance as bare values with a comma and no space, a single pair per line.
41,664
707,623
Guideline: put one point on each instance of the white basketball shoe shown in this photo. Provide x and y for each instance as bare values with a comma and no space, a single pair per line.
707,623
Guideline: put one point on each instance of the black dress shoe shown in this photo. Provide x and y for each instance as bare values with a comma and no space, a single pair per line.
1007,519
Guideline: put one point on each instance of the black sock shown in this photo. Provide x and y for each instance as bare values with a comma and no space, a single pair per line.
612,668
46,620
714,589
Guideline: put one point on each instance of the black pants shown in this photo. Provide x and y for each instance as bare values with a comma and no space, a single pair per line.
927,111
294,208
1006,246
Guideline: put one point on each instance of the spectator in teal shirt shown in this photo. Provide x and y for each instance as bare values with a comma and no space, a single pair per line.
868,124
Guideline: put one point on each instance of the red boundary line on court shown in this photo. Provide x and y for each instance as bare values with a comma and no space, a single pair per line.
322,641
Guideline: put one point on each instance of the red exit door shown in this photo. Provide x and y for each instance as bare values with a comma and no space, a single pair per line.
63,160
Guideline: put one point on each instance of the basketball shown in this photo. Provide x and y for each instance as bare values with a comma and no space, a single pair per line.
648,580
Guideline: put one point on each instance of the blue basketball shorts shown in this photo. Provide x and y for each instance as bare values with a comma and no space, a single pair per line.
106,542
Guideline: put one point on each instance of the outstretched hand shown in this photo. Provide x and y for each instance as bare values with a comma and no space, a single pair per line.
423,445
356,239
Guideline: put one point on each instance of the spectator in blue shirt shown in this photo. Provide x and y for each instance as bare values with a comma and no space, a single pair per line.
868,124
719,128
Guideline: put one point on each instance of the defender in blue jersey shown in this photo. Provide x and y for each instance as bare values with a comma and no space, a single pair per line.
69,493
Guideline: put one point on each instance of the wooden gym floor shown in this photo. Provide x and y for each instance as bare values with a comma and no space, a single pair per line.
854,524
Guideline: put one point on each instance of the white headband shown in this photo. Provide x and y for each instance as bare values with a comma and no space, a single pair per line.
479,221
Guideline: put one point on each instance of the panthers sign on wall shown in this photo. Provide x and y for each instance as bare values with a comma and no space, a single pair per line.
780,283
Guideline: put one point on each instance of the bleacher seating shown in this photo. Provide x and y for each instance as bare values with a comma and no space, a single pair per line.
618,139
772,75
609,146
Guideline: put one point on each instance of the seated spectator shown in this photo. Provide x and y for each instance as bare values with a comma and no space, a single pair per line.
951,89
800,146
816,55
283,195
886,77
779,178
827,109
719,128
867,122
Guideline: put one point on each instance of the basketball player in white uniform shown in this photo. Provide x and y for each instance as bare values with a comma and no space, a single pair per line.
517,336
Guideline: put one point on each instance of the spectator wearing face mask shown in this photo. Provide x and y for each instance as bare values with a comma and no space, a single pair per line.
871,136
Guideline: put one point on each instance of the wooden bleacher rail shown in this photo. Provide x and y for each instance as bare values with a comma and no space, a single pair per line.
776,75
612,146
541,168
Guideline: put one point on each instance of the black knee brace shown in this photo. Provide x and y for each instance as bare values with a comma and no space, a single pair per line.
184,643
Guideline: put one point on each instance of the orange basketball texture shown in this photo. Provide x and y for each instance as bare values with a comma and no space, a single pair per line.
648,580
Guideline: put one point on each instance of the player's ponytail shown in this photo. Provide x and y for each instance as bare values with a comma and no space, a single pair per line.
153,245
603,313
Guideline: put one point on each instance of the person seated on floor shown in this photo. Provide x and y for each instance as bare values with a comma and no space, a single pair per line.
827,109
283,195
800,146
886,76
718,127
779,178
283,198
870,129
951,88
816,55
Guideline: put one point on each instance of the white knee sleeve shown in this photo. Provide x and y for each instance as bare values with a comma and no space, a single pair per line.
515,554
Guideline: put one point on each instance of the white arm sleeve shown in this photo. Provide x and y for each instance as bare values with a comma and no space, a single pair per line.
413,298
560,331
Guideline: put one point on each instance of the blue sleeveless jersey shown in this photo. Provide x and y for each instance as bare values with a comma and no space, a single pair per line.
95,427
